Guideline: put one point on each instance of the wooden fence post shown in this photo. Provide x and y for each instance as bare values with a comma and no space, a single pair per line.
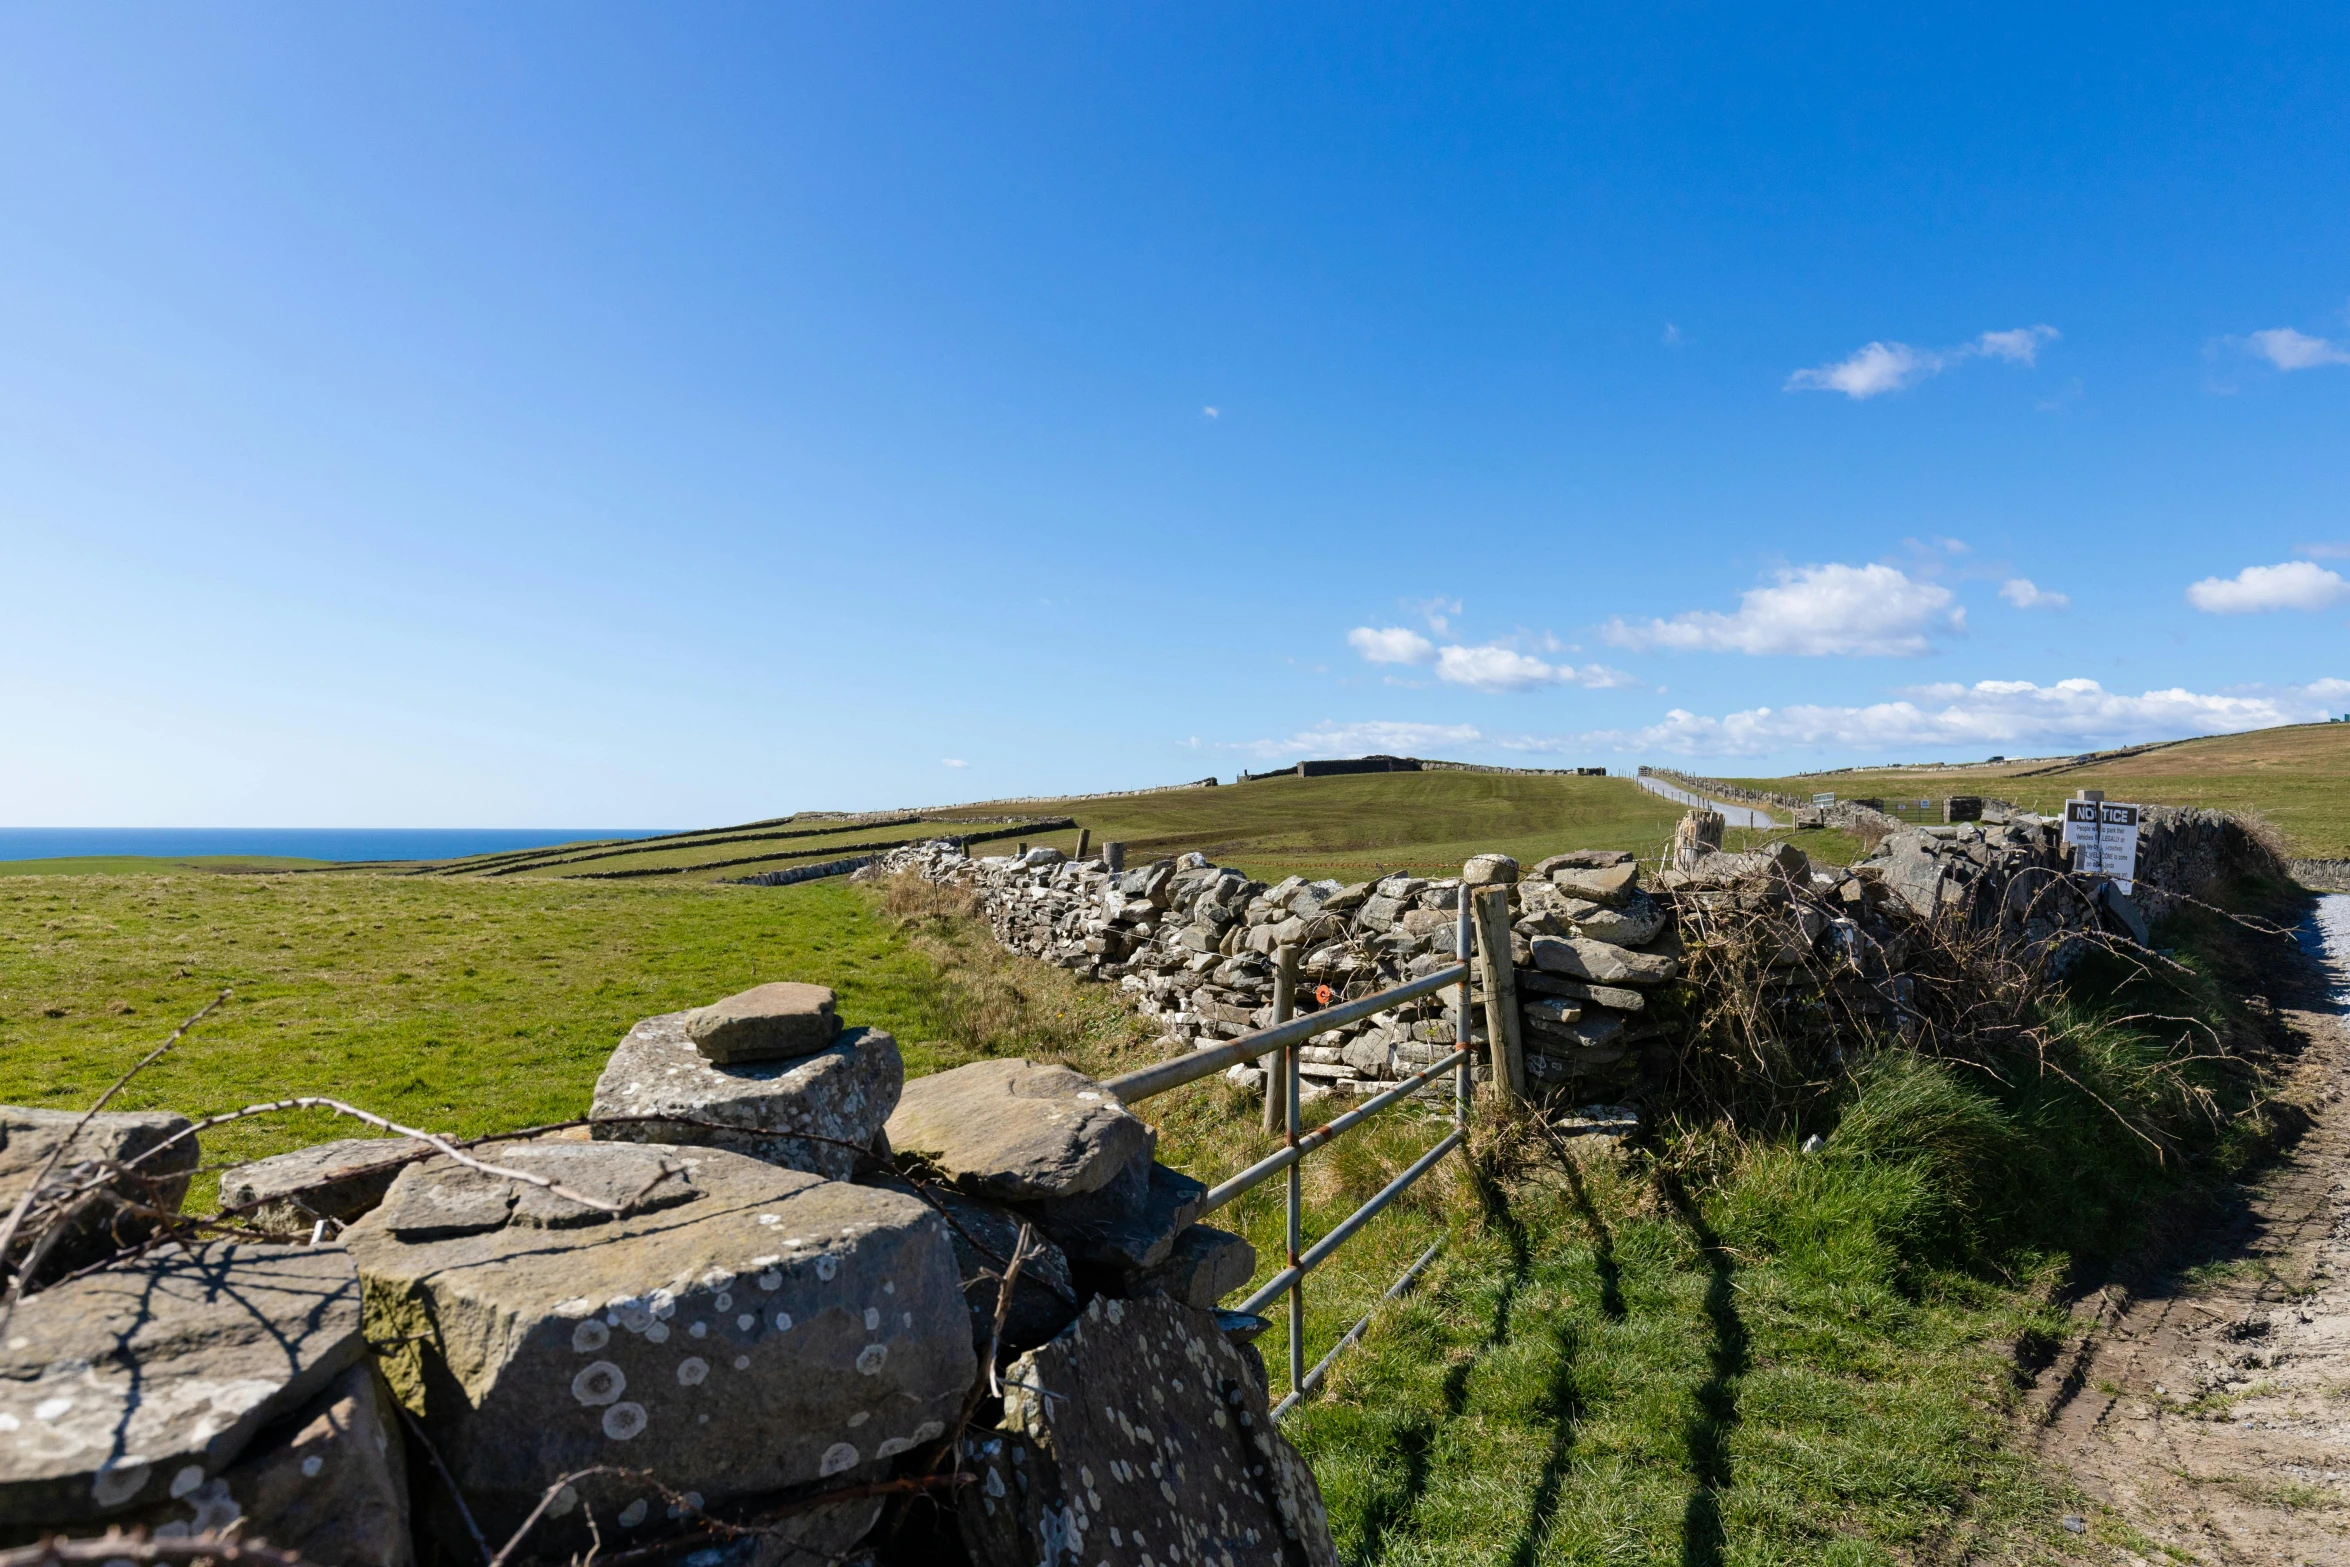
1084,842
1278,1063
1502,1029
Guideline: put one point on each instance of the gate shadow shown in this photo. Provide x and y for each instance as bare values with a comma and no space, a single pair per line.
1389,1518
1711,1425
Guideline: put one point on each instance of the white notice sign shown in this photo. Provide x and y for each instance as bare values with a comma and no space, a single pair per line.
1823,799
2104,839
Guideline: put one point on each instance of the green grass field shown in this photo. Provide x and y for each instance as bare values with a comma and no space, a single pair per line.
710,854
2297,779
146,865
462,1005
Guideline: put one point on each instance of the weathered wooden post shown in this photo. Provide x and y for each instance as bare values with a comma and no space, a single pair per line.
1502,1028
1698,835
1084,842
1278,1064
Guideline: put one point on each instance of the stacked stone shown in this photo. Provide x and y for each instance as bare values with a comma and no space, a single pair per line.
2006,871
1195,944
1592,948
735,1290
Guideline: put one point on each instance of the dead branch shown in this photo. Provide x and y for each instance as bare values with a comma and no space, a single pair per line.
136,1546
32,1191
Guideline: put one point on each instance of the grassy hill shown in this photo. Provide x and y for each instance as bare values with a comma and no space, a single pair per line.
1349,827
149,865
2295,778
1354,827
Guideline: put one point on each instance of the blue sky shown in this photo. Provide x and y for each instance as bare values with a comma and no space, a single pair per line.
583,413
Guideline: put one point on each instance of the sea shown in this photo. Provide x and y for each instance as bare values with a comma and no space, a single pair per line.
306,843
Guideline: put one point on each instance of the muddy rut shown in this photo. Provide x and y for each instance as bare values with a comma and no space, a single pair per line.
2204,1403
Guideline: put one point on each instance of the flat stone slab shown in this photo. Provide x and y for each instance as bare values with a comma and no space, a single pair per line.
1203,1266
1608,1123
1599,962
95,1226
1018,1130
1489,870
746,1328
152,1375
1141,1432
1780,862
1610,885
329,1483
985,1234
1620,997
766,1023
841,1095
1580,860
291,1192
1129,1225
1600,1032
1637,919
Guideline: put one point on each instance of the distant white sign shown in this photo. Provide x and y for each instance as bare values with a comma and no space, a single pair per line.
1823,799
2104,838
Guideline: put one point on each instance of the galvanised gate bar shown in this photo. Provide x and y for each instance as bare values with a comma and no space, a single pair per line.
1277,1046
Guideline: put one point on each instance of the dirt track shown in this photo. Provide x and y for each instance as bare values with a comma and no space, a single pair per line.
2205,1404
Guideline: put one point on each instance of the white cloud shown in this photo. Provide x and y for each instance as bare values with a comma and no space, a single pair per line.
1672,337
2287,349
1391,645
1496,668
2297,584
1814,611
952,761
1991,715
1378,736
1877,368
1490,667
2324,551
2024,593
2018,346
1438,612
1872,370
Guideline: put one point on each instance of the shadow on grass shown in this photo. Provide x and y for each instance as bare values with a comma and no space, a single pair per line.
1603,1246
1494,1203
1716,1416
1392,1515
1563,1405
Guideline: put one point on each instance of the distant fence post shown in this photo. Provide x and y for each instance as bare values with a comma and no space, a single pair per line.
1280,1065
1501,992
1084,843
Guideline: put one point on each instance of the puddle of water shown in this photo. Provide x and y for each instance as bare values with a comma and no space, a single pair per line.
2325,936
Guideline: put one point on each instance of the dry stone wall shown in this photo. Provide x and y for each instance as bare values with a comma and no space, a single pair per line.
1597,949
761,1287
